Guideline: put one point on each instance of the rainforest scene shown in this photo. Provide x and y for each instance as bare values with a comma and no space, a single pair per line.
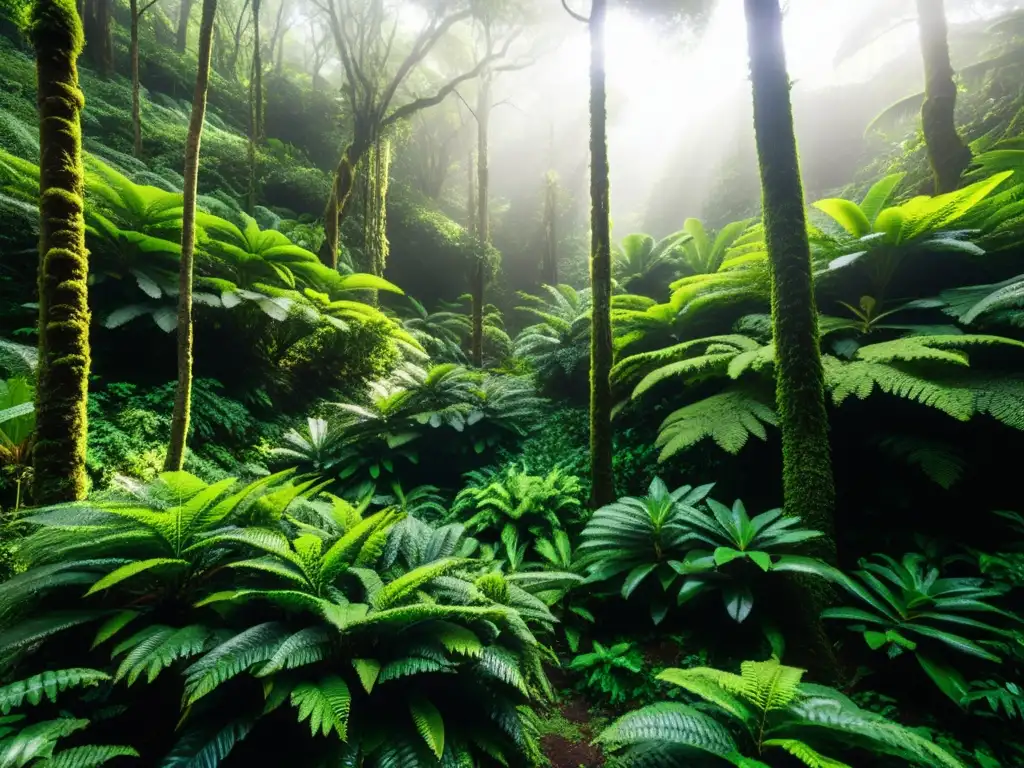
524,383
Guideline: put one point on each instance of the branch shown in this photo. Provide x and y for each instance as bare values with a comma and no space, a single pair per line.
571,12
429,101
147,6
467,104
427,39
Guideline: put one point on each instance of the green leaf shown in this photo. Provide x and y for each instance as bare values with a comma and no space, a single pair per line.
635,577
367,670
429,723
875,640
739,601
762,559
132,569
725,555
948,679
805,754
846,214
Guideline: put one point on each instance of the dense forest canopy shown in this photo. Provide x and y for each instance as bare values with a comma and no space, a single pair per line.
475,383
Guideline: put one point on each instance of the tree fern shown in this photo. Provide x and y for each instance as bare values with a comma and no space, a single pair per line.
307,646
325,704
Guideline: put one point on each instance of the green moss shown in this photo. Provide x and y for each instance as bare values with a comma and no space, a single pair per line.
808,486
62,391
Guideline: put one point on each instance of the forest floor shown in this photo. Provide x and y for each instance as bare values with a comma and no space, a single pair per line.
568,733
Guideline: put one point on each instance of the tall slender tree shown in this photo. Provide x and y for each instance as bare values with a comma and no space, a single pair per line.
183,394
602,474
483,229
948,154
63,389
181,38
808,487
549,263
136,12
255,104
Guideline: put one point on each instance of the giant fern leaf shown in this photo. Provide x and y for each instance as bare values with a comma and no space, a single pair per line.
729,418
47,685
325,704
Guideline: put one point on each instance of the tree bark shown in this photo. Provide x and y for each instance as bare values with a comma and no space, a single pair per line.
479,281
341,191
601,472
807,468
183,395
549,268
947,153
136,106
808,488
62,392
183,18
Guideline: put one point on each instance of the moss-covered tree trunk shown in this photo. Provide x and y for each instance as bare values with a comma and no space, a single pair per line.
183,394
62,392
808,488
478,282
601,474
807,468
341,192
375,201
184,11
549,266
136,99
947,153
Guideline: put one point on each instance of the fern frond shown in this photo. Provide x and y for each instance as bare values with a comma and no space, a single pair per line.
407,584
88,756
307,646
713,685
769,684
429,723
805,754
325,704
33,690
201,747
158,648
254,645
670,723
729,418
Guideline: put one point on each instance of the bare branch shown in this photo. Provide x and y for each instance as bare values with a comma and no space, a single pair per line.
420,49
571,12
473,113
429,101
147,6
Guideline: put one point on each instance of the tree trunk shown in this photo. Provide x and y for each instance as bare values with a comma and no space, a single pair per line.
183,18
471,200
549,268
255,104
98,38
341,191
947,153
277,40
808,487
62,392
375,236
136,108
479,281
183,395
807,468
601,473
